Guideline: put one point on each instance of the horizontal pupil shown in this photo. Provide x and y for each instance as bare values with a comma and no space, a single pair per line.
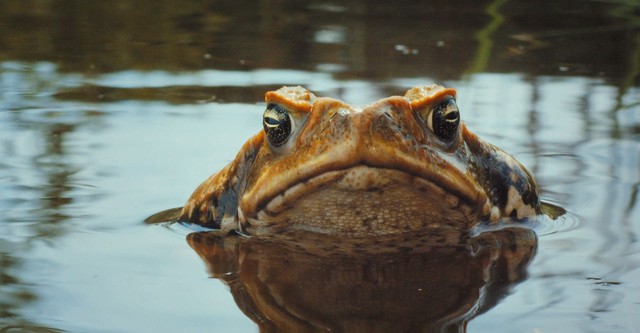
277,124
271,121
446,118
452,116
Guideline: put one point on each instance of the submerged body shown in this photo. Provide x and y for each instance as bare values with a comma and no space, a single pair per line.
398,165
314,284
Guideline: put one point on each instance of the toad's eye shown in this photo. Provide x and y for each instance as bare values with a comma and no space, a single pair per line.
277,124
444,120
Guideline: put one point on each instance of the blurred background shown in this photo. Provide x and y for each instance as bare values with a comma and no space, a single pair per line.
113,110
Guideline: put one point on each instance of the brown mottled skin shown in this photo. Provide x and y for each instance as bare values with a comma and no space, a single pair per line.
380,169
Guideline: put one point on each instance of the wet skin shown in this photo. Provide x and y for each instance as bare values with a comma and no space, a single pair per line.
401,164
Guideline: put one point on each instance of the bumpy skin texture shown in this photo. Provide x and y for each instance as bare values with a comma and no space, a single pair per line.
375,170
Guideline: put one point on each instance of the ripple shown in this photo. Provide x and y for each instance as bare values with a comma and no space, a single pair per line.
564,223
554,219
185,228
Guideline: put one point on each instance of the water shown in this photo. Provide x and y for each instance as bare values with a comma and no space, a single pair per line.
110,112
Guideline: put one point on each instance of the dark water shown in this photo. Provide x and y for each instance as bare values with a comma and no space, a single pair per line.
111,111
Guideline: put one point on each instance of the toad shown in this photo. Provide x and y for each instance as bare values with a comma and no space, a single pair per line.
401,164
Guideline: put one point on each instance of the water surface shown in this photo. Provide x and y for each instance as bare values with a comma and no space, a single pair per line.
112,111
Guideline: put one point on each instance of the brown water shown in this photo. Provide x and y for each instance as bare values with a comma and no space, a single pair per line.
113,110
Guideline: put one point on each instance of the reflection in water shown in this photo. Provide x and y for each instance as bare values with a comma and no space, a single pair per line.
396,285
554,82
444,41
39,178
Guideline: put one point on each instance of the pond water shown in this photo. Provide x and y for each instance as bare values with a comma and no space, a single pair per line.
112,111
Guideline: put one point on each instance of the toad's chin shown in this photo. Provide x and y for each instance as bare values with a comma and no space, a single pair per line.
364,201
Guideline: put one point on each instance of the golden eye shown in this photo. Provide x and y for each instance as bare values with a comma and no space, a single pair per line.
277,124
445,120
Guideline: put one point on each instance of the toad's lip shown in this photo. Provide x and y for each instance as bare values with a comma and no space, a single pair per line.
364,179
279,191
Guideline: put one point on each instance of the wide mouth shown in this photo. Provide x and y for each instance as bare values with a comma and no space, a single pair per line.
363,177
364,200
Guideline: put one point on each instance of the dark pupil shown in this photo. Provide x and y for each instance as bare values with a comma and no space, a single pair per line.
271,121
277,124
446,119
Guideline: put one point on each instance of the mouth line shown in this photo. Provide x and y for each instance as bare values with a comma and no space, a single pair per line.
361,178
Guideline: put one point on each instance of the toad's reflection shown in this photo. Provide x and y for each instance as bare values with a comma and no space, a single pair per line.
394,285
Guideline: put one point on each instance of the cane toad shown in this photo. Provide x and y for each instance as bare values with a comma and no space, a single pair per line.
401,164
